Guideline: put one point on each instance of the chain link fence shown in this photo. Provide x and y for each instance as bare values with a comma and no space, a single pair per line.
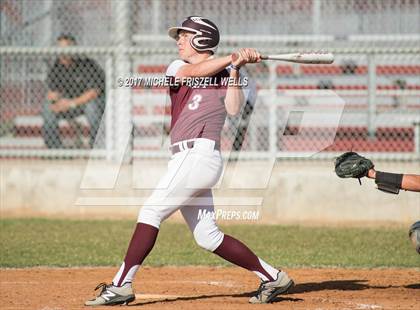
105,113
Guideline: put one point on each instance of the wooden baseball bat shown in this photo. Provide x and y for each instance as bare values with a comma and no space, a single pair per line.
303,58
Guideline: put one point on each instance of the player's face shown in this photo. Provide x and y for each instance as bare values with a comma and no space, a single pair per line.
185,49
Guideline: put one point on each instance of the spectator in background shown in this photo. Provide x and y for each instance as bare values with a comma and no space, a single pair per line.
349,67
76,86
398,100
325,84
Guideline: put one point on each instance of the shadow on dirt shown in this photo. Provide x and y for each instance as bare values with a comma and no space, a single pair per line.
342,285
413,286
338,285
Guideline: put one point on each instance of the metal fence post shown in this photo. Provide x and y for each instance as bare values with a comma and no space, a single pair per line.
371,95
109,107
272,129
417,139
156,22
122,100
316,17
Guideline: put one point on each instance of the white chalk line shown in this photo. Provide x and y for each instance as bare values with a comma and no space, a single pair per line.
367,306
215,283
351,305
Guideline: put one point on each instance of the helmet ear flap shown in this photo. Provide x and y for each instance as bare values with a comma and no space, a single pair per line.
201,48
191,41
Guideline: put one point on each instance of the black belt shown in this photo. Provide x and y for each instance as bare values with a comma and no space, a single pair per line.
178,148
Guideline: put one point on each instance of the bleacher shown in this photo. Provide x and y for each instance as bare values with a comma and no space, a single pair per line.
151,109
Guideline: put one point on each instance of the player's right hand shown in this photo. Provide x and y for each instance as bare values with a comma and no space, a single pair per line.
244,56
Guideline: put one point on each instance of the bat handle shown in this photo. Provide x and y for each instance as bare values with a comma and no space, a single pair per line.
264,57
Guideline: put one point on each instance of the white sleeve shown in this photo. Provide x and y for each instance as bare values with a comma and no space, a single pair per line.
174,67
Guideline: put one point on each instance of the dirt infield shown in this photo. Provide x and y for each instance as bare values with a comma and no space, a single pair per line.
213,288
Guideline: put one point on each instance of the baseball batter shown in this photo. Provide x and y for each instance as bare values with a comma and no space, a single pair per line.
198,115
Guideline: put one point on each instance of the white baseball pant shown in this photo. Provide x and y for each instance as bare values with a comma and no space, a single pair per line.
187,186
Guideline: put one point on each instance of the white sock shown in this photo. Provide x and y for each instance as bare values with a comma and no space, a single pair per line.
128,277
269,269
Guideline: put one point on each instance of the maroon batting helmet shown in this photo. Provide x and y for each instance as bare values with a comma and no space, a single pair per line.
206,36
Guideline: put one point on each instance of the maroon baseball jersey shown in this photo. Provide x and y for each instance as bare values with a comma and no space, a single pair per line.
197,112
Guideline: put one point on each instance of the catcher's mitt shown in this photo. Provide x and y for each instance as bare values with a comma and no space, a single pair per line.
352,165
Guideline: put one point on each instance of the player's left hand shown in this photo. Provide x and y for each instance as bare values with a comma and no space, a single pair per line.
352,165
252,55
244,56
61,105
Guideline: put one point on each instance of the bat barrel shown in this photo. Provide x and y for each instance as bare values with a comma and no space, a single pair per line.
304,58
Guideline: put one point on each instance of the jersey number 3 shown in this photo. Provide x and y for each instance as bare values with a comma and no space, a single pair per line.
195,102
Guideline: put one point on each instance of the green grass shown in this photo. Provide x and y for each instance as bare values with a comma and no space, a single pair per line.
42,242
